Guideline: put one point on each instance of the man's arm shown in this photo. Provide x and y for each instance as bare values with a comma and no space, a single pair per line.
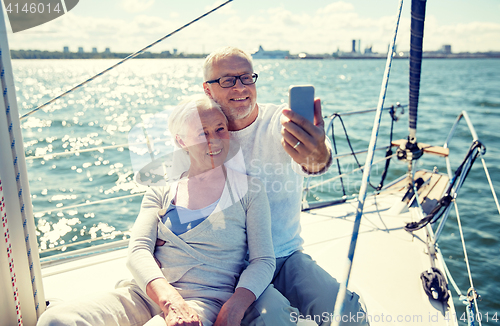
304,141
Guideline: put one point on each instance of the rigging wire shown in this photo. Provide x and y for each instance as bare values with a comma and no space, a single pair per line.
102,237
56,209
490,183
133,55
353,154
466,258
339,302
92,149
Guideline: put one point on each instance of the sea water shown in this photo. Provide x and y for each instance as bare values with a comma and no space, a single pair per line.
103,112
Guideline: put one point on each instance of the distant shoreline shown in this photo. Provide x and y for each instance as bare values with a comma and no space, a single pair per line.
37,54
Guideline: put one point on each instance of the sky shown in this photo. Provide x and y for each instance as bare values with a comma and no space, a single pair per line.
314,26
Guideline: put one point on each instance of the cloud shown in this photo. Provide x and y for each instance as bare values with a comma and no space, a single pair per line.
475,36
336,7
135,6
70,30
226,10
324,30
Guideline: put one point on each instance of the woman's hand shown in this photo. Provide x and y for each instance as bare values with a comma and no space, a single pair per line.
233,311
175,309
181,314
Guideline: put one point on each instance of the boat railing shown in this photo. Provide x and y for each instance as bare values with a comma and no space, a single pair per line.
392,110
456,180
471,297
480,150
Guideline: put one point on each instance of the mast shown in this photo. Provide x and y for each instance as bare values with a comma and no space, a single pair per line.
416,41
410,151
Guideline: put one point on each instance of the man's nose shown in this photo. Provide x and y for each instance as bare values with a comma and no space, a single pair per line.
239,84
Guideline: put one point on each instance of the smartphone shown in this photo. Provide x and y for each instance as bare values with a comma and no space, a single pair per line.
301,100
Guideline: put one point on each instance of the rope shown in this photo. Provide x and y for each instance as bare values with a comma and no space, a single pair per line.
133,55
452,190
389,150
339,304
10,257
19,188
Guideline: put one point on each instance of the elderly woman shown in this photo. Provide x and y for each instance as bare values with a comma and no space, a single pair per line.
208,220
205,223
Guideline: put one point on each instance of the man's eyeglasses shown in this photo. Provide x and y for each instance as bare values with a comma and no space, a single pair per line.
230,81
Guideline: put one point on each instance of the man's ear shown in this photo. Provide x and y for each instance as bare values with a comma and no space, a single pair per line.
206,88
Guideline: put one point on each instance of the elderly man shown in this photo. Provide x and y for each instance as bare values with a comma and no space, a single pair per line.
280,147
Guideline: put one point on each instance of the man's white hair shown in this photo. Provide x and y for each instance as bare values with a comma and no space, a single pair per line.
214,57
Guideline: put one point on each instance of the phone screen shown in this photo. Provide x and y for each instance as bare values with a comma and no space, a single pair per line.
301,100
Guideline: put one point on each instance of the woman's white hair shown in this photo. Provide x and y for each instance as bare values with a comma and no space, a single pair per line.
189,106
222,53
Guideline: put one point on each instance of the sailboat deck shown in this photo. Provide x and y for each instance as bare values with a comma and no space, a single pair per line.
388,260
72,278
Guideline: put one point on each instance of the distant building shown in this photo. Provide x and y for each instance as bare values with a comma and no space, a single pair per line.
66,49
107,50
336,54
80,50
94,50
175,51
353,46
276,54
446,49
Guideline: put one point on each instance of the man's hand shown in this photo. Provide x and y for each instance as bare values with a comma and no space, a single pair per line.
304,141
233,311
159,243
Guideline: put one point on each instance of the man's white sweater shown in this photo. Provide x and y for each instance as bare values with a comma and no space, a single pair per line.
265,158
